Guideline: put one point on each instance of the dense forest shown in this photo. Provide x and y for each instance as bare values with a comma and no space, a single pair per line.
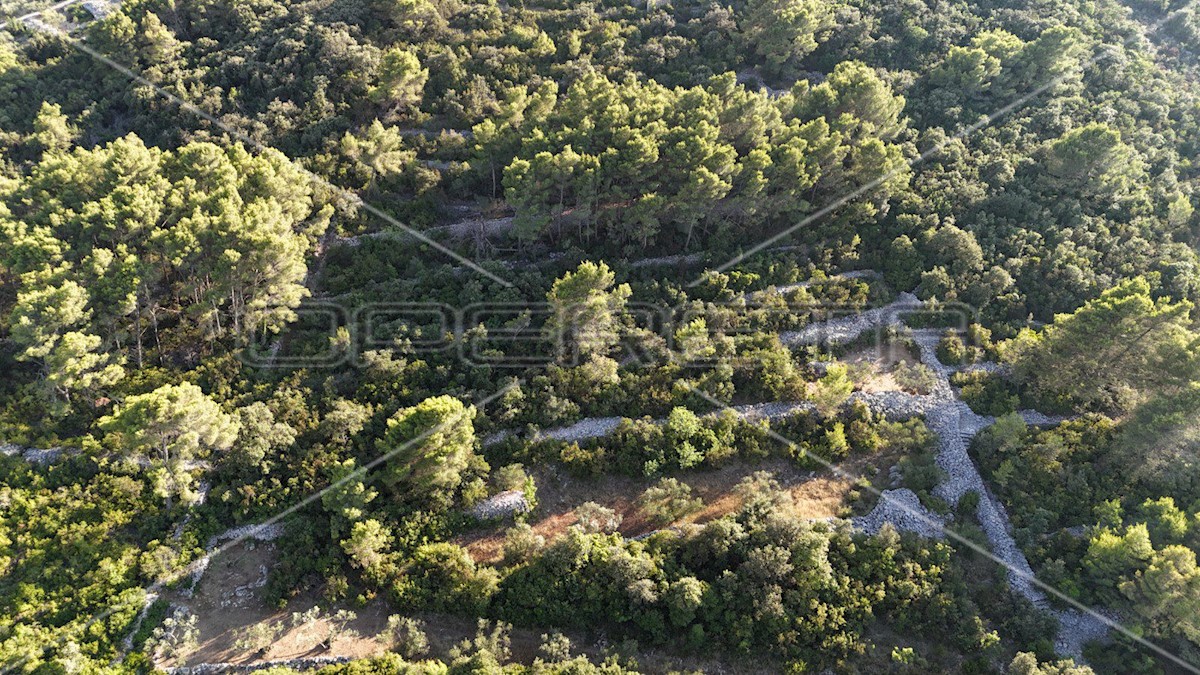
341,276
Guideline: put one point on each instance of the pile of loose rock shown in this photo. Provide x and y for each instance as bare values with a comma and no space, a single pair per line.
257,531
501,506
903,510
35,455
896,405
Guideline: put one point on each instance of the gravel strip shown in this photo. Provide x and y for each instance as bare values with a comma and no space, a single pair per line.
771,411
589,427
677,259
254,531
847,328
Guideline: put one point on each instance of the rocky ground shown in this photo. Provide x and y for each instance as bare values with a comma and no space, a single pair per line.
949,418
954,423
846,328
902,509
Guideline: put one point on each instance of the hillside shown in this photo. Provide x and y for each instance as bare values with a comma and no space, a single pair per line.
595,337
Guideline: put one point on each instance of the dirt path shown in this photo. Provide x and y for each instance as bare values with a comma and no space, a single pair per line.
955,425
947,416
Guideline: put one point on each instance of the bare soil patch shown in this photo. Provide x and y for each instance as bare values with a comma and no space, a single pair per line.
818,495
876,363
223,614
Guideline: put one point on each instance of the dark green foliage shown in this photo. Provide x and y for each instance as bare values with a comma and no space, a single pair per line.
986,393
746,583
149,248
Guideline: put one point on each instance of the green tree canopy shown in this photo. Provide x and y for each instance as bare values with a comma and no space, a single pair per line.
588,310
165,429
1111,352
430,444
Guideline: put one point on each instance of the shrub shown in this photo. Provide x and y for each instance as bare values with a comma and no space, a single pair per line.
834,446
443,577
509,477
986,393
833,389
521,543
555,647
951,350
668,501
593,518
258,637
968,504
490,638
921,474
908,436
917,378
406,636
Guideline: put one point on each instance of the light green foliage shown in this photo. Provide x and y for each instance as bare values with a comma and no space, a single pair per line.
588,310
683,598
118,237
368,545
855,101
372,158
259,434
407,636
347,498
259,636
784,31
1162,585
668,500
915,377
969,70
429,445
163,430
692,341
401,79
642,162
48,322
1026,663
593,518
521,543
1166,593
443,576
52,130
833,389
1092,159
1113,555
555,647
